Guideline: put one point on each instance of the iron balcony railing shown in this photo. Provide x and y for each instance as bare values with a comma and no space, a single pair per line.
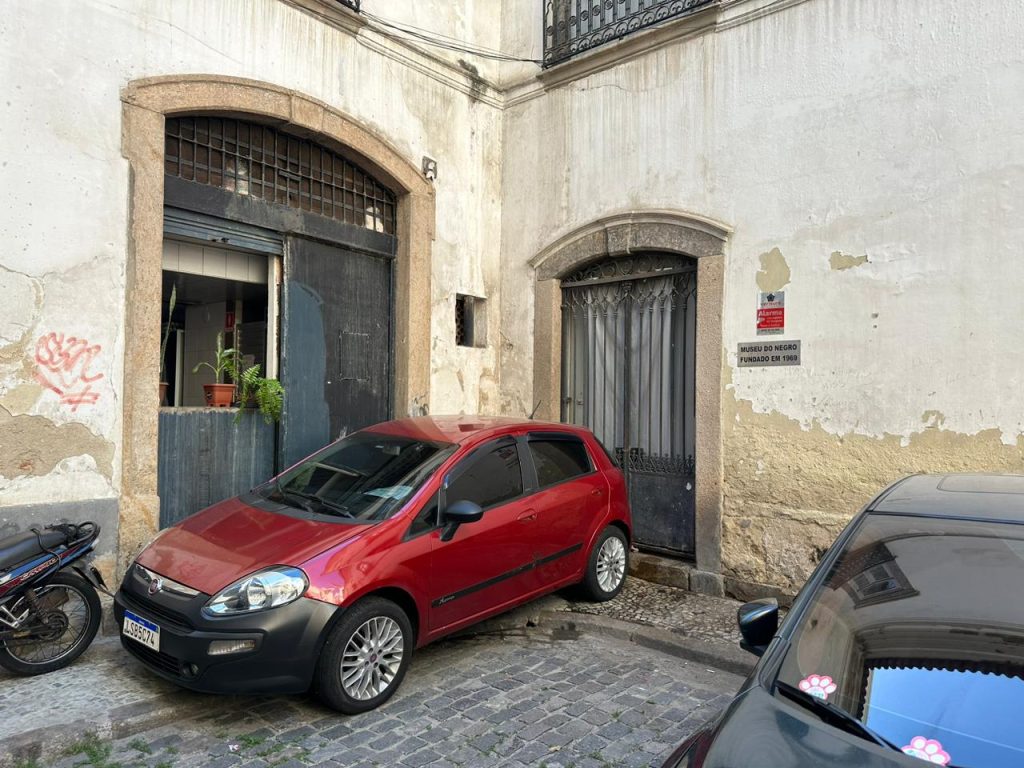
574,26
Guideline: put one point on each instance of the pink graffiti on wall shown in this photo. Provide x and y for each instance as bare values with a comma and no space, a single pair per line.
63,365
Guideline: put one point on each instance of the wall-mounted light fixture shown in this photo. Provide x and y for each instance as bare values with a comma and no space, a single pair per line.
429,168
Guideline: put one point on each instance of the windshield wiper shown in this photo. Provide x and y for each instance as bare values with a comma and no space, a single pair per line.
332,506
295,496
303,499
837,716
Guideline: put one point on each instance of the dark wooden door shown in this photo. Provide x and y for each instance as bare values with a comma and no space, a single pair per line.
336,324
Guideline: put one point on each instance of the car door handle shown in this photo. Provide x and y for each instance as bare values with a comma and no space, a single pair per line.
527,517
597,492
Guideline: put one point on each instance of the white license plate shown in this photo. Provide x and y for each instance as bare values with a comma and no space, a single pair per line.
141,630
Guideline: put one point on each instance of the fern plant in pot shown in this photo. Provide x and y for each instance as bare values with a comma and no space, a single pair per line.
266,395
255,391
219,394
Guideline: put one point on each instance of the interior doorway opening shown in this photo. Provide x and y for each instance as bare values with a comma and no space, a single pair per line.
216,292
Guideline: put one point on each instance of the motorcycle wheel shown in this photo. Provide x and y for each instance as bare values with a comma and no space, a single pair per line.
71,611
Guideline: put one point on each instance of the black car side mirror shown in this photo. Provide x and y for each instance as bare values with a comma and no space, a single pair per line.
459,513
759,621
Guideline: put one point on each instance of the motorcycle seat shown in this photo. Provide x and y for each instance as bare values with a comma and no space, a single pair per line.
25,545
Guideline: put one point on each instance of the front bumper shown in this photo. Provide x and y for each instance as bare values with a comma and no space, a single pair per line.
287,642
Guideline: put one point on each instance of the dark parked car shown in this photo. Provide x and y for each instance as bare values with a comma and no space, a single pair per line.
906,644
332,573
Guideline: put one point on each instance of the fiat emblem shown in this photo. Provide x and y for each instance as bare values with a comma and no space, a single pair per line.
155,586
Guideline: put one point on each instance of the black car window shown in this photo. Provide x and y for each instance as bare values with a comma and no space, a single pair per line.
489,479
918,631
558,459
426,520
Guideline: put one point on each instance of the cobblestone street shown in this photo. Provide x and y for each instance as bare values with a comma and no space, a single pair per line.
529,698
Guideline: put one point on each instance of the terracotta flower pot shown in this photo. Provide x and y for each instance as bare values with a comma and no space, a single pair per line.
219,395
163,392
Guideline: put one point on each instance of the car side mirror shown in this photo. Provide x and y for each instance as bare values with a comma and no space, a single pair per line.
759,621
459,513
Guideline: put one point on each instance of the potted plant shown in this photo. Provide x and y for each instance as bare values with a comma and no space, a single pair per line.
255,391
163,345
267,395
219,394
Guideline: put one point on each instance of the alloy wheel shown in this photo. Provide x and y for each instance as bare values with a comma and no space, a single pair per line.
611,564
372,658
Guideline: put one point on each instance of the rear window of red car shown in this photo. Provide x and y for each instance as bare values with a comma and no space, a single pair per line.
558,459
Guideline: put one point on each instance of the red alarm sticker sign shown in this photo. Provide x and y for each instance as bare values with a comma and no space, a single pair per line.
771,314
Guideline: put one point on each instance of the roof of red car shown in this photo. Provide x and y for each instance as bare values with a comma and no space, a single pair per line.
461,429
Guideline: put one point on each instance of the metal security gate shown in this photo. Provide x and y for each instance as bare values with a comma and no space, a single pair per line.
628,331
335,344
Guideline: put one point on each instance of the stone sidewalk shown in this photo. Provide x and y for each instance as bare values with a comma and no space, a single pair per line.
110,696
688,614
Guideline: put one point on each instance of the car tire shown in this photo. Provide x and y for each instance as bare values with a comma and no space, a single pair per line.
364,657
607,565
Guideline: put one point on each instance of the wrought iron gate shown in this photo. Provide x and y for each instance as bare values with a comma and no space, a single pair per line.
628,331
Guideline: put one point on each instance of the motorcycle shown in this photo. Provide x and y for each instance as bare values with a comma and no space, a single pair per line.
49,608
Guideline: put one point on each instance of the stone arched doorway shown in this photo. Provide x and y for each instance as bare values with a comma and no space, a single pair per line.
146,104
667,240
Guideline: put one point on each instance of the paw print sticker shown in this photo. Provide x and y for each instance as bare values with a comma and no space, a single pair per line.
927,749
820,686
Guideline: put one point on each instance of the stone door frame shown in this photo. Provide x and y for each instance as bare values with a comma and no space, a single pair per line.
621,234
145,104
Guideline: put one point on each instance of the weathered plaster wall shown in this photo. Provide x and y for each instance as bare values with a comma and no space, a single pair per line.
869,157
465,24
65,191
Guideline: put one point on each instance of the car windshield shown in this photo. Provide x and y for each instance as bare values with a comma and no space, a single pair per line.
366,476
918,632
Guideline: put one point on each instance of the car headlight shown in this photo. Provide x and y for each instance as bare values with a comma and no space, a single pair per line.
258,591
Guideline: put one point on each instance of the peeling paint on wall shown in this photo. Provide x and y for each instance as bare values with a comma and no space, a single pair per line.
839,260
19,312
789,490
774,273
21,398
34,445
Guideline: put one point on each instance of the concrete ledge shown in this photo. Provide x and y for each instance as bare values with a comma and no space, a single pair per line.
660,570
706,583
749,590
724,656
675,573
554,614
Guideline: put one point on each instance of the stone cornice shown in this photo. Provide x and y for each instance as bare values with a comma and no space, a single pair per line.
709,19
406,53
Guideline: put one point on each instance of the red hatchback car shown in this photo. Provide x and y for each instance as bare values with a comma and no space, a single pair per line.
329,575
